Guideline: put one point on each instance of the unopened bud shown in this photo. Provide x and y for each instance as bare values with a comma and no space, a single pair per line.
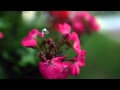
49,41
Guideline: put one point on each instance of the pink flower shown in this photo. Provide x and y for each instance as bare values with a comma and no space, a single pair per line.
74,69
62,15
30,40
79,62
81,58
54,69
34,33
83,15
78,27
64,28
76,42
94,25
57,17
1,35
83,21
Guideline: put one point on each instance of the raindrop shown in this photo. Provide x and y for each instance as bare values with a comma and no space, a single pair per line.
45,31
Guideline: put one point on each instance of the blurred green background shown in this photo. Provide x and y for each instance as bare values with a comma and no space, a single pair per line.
16,61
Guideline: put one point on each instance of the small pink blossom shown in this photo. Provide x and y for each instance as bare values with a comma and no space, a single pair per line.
1,35
79,62
78,27
64,29
83,21
83,15
74,69
81,58
76,42
30,40
34,33
94,25
54,69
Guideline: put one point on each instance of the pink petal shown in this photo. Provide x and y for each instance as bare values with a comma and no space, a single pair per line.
74,69
95,26
52,72
28,41
64,74
33,32
43,66
40,34
84,14
76,44
67,28
83,52
1,35
58,59
81,63
64,28
80,59
78,26
67,64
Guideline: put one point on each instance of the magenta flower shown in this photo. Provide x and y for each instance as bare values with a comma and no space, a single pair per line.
84,22
78,26
81,58
79,62
64,29
1,35
54,69
94,25
76,42
83,15
30,40
74,69
54,63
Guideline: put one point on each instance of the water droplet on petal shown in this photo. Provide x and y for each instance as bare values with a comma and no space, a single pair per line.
45,31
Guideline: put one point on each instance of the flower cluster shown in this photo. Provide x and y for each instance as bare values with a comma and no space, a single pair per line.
84,22
1,35
81,21
53,65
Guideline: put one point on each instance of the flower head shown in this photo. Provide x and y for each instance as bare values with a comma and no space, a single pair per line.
93,24
64,28
79,61
54,69
78,26
54,64
30,40
83,21
74,69
81,58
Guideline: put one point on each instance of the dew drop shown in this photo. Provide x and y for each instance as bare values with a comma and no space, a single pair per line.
45,31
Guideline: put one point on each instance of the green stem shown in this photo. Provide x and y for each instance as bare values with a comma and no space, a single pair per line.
38,42
61,41
45,48
69,60
61,44
38,45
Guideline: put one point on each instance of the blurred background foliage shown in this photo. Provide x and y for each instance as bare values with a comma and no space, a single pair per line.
16,61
